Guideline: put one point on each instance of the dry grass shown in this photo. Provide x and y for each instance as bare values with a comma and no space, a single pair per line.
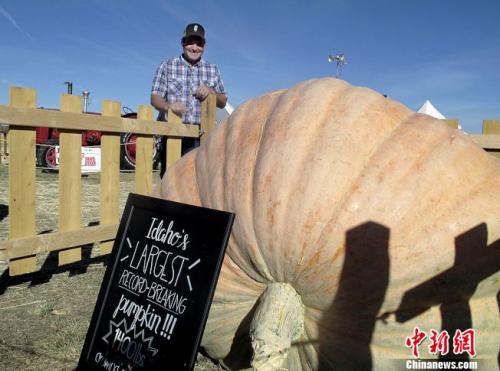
44,317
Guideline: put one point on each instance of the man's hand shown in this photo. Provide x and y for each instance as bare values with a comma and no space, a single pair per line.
202,92
178,108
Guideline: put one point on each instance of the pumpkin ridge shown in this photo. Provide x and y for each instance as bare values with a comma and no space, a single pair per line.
263,127
428,144
481,187
197,180
233,268
312,86
258,265
436,150
469,192
349,189
218,143
288,98
170,187
200,154
322,123
380,154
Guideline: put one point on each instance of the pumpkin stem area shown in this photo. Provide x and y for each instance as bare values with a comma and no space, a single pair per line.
278,321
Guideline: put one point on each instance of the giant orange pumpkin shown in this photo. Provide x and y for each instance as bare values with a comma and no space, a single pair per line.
357,221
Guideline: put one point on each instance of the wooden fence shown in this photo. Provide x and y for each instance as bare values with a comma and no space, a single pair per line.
489,140
21,115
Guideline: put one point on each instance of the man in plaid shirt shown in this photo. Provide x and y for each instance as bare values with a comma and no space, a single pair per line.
182,83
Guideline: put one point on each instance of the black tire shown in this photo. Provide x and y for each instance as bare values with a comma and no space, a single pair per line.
127,151
156,151
46,155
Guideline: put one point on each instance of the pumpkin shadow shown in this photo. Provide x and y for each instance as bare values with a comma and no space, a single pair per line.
452,289
349,323
498,303
347,326
240,355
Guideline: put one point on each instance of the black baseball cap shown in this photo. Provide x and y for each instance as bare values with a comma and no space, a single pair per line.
194,29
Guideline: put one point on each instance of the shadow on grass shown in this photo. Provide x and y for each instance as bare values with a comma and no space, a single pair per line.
48,269
51,266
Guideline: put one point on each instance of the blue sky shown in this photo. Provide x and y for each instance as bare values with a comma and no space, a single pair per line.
447,51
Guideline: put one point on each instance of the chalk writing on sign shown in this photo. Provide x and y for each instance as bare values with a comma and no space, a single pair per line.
158,287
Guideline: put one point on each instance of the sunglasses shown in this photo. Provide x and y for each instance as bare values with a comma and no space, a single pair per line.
193,40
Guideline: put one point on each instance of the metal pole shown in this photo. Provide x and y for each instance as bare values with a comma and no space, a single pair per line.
69,85
86,98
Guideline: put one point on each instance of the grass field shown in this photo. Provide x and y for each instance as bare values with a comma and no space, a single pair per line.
45,316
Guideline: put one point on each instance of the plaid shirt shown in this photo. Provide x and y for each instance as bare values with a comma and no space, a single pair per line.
176,80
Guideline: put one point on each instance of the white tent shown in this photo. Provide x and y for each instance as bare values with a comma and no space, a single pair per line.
428,109
222,114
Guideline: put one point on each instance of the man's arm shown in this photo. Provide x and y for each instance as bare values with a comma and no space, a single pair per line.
221,100
158,102
202,93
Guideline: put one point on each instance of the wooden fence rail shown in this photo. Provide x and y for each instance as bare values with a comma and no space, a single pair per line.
22,117
489,140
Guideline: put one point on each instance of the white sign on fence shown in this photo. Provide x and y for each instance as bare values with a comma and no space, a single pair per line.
91,159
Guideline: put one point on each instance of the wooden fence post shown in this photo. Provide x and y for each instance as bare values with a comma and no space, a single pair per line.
23,243
454,123
174,145
70,184
207,117
110,174
22,180
144,155
492,127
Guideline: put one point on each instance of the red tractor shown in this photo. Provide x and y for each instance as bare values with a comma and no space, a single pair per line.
47,140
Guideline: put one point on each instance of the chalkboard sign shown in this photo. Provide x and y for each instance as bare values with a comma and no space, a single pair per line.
158,287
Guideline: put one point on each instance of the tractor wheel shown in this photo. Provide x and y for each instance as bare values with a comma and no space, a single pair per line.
46,155
127,151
